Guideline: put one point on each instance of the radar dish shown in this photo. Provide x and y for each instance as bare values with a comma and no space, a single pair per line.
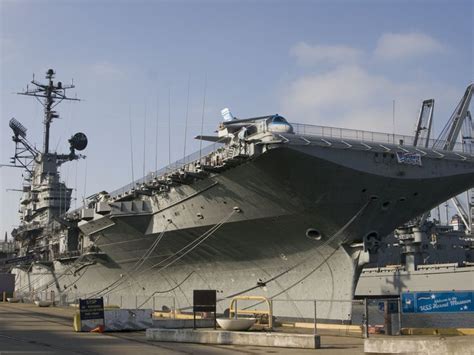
78,141
18,128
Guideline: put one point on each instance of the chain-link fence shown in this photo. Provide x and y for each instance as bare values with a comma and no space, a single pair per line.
356,318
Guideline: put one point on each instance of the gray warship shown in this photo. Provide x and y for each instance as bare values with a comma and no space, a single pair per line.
287,211
425,254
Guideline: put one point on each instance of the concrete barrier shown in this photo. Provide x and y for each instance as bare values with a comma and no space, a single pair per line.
462,345
437,331
222,337
119,320
182,323
336,329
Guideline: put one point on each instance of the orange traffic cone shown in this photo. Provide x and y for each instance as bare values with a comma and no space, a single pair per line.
98,329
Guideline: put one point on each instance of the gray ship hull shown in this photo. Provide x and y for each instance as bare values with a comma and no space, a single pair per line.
383,282
261,210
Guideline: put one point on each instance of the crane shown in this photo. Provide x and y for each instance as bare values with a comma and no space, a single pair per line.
460,118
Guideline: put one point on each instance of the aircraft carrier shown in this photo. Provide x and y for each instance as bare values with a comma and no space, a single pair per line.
269,208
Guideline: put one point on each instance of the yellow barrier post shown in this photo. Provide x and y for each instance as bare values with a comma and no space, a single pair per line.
233,307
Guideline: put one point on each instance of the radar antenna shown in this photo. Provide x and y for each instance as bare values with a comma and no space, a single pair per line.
49,95
25,153
52,94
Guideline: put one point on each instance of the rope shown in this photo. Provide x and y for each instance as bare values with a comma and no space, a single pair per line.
169,290
201,239
343,228
135,267
57,278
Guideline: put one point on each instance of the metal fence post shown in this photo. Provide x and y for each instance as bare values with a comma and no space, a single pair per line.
387,317
174,308
366,319
399,316
121,301
235,309
315,317
136,301
153,303
270,314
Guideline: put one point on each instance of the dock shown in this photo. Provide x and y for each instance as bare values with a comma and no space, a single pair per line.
26,328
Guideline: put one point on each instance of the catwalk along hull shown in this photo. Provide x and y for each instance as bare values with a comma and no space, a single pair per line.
294,222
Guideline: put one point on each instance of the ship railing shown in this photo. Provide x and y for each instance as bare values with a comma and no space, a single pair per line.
198,156
203,155
369,136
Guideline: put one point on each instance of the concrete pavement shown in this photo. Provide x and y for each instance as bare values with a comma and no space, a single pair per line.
28,329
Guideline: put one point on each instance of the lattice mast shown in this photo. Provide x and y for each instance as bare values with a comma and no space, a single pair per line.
52,94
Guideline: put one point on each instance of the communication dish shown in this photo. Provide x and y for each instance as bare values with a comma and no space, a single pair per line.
78,141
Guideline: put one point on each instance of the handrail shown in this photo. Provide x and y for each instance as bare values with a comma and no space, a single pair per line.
362,135
299,129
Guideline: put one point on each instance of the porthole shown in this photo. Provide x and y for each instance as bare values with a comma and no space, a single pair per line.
313,233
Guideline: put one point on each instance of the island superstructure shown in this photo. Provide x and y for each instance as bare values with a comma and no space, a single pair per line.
282,210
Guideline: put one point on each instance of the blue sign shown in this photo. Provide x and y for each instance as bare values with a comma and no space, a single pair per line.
438,302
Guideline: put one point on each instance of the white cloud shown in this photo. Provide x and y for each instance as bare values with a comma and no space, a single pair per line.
312,55
351,97
396,46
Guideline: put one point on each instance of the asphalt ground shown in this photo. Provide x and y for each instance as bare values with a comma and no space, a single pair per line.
28,329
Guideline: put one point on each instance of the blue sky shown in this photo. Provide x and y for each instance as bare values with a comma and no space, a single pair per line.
338,63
